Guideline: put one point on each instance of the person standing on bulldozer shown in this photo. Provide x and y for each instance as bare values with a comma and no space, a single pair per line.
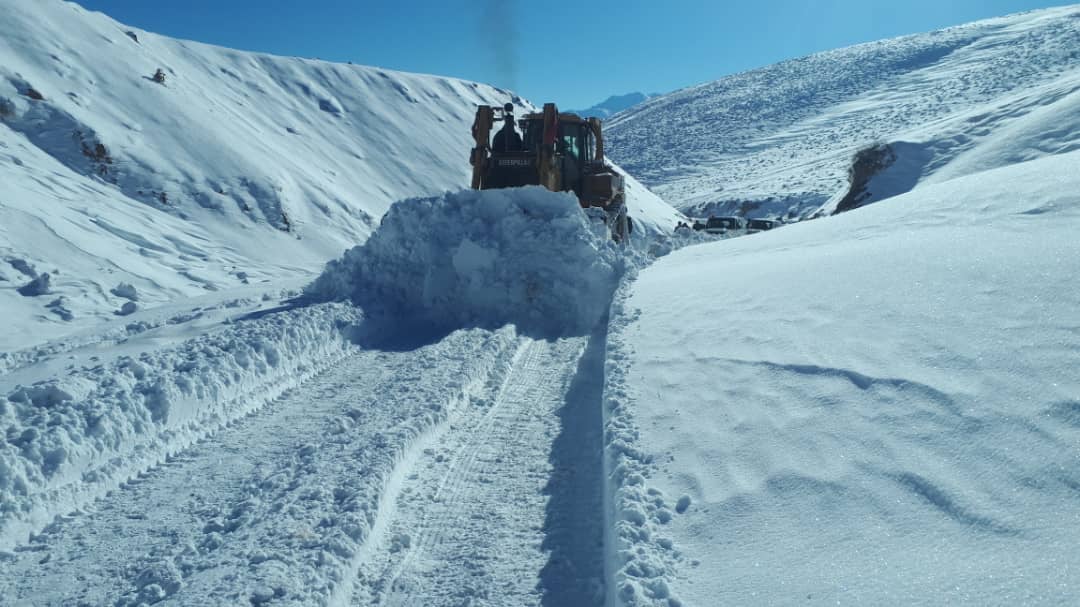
507,139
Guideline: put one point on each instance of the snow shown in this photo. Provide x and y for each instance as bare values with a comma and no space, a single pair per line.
241,167
778,141
878,407
483,400
286,503
523,256
82,432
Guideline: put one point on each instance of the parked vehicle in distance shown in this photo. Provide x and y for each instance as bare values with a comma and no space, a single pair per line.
760,225
722,225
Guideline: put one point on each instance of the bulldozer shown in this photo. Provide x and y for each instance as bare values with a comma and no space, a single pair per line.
560,151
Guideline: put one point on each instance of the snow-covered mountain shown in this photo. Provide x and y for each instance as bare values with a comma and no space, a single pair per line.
613,105
237,169
780,139
488,402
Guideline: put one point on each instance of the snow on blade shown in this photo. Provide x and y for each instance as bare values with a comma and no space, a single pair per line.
525,256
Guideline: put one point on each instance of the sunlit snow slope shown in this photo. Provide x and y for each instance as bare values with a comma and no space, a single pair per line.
239,168
779,140
880,407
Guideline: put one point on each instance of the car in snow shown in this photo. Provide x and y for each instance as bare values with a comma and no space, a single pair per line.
723,225
760,225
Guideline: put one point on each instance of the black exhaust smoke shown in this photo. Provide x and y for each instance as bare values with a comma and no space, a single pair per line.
499,30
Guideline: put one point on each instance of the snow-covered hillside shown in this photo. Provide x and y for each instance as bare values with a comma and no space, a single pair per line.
880,407
780,139
482,400
240,168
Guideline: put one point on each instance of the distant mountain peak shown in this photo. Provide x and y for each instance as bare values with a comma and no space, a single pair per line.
614,104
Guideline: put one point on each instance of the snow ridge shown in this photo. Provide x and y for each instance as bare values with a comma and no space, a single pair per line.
71,438
641,560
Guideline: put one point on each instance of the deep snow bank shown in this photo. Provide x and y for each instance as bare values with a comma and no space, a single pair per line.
880,407
525,256
68,440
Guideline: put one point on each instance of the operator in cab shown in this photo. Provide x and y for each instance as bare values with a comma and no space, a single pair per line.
507,138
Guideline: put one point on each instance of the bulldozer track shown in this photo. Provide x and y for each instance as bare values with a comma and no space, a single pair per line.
477,496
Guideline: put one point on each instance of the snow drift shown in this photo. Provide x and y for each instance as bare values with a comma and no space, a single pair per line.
525,256
69,439
885,411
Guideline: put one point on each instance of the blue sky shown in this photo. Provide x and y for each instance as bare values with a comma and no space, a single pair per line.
573,52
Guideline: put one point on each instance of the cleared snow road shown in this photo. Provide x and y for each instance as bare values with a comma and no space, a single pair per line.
504,508
464,470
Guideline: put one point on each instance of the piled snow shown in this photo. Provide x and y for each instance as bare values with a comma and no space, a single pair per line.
73,437
525,256
879,407
779,140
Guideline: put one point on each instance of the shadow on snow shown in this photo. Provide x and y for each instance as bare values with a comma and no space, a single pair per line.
573,525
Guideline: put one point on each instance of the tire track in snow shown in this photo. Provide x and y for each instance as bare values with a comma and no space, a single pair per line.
439,523
276,507
472,524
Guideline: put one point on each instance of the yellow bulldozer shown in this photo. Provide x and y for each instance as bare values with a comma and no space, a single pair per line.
560,151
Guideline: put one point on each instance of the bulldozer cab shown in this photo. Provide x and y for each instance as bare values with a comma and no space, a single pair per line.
561,152
573,148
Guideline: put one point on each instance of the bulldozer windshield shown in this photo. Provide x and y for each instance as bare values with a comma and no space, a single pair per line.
570,141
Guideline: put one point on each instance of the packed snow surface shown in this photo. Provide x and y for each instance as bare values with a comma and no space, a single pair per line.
778,141
525,256
880,407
